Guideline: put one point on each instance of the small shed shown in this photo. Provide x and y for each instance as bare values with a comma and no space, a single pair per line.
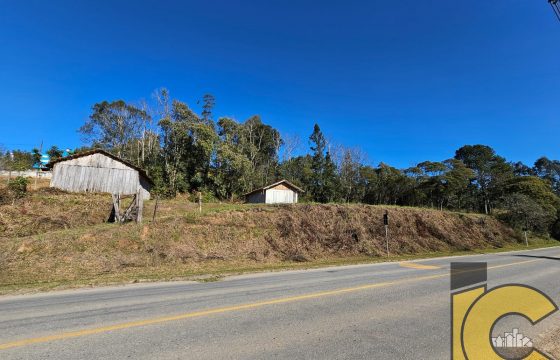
99,171
281,192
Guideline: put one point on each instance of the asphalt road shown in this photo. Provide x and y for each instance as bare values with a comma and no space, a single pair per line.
376,311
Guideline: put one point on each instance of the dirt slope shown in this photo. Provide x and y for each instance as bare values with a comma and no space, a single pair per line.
49,209
183,242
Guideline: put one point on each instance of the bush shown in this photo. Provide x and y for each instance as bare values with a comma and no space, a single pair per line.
18,187
523,213
207,197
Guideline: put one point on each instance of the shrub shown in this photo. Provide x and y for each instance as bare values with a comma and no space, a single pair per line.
18,187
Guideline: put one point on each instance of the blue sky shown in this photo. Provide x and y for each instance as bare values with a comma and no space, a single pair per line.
404,80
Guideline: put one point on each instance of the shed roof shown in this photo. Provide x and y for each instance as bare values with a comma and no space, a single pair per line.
103,152
284,181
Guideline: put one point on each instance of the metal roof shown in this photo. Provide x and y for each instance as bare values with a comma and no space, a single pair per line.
275,184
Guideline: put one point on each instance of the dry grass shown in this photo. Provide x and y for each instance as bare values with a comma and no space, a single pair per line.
55,239
48,209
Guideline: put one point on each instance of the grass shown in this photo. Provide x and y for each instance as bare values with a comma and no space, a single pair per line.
56,240
216,271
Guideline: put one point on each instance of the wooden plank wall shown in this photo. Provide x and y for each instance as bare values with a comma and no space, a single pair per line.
98,174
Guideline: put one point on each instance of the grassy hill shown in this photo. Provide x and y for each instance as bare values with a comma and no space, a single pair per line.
53,239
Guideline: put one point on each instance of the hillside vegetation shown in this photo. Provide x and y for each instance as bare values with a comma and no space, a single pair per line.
52,238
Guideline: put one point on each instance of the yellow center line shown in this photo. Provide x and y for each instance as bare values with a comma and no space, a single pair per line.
412,265
221,310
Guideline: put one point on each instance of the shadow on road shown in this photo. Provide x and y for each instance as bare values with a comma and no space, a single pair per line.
539,257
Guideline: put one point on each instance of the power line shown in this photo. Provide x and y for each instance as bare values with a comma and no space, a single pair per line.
555,7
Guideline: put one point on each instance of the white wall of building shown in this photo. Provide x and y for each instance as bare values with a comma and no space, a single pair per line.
275,196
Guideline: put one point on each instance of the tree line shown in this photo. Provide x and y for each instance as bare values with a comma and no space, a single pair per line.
186,152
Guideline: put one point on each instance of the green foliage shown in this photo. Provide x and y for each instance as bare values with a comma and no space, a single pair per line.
490,172
114,125
549,170
17,160
184,152
524,213
18,187
54,153
324,182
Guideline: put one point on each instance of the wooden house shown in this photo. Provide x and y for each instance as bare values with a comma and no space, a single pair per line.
99,171
281,192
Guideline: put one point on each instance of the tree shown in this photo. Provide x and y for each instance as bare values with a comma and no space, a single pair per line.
54,152
36,156
535,188
549,170
490,171
258,143
432,182
298,171
18,160
232,167
390,186
317,164
458,179
114,125
330,181
351,189
520,169
526,214
208,103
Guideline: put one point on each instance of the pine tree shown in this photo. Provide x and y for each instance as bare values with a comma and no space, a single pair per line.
317,163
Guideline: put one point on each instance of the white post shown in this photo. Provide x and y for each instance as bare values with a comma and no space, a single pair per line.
387,238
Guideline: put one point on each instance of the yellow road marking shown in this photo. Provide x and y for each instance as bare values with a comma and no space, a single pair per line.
412,265
132,324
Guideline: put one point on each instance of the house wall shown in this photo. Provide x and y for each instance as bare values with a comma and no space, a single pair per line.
98,173
256,198
280,196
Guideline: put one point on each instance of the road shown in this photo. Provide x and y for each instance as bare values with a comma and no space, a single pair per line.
374,311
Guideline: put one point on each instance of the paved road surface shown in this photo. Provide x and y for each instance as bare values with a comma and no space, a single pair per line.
376,311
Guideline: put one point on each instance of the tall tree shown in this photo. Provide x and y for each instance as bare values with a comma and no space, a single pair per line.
490,170
549,170
331,184
113,125
208,103
317,163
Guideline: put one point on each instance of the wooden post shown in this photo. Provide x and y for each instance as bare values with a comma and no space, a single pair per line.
199,202
155,209
116,204
140,206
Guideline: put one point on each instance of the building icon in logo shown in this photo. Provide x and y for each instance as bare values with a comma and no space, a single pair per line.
513,339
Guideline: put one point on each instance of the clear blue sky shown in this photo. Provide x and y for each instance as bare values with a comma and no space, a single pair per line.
405,80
